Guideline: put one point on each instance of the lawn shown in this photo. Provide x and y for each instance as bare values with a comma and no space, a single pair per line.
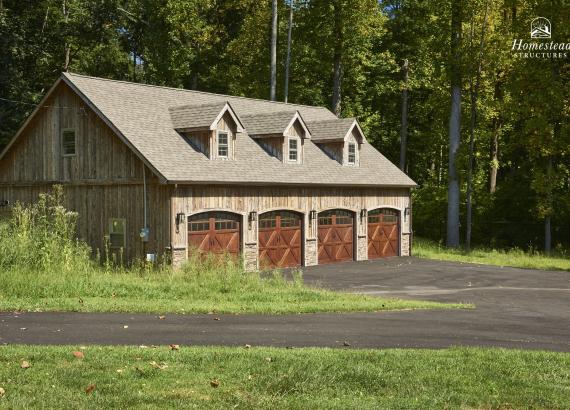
423,248
309,378
201,287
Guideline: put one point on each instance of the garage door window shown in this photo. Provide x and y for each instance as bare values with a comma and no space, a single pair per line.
383,215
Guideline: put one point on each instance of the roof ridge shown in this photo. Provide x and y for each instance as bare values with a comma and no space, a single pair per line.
267,113
333,119
195,91
213,104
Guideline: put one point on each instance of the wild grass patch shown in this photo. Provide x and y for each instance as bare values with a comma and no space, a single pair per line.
532,259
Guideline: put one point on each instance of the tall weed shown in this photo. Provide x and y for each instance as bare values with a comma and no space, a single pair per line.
42,237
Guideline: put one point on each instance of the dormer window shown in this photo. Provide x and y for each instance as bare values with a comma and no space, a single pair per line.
223,145
341,139
293,149
352,153
281,134
211,129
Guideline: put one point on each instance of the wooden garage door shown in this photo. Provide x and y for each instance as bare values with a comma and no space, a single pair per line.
336,230
383,233
280,239
215,232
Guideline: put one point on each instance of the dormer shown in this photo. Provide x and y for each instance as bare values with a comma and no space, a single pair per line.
281,134
341,139
209,128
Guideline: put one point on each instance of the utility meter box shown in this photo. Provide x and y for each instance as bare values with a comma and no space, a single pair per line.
145,233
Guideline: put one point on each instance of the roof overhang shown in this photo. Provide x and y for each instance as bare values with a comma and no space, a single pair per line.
297,117
293,184
228,109
355,126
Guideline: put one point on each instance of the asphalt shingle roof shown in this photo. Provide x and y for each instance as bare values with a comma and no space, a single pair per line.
267,123
334,129
142,115
197,115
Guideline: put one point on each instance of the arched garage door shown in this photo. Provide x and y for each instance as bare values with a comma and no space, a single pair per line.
215,232
280,239
336,232
383,233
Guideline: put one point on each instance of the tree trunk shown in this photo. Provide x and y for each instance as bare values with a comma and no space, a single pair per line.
338,51
454,127
494,157
474,91
404,129
273,50
67,46
288,59
547,236
440,167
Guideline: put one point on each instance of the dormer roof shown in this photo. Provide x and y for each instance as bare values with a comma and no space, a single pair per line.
202,116
334,130
273,123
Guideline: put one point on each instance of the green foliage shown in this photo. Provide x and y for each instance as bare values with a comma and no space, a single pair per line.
223,46
277,378
516,257
41,237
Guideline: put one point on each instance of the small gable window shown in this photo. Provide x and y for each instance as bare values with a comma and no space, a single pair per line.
68,142
293,149
223,145
352,153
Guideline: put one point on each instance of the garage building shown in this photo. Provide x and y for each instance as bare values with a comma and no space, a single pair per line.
155,169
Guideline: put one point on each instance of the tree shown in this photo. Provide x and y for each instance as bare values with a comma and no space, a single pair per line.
474,94
338,54
404,128
273,50
288,59
454,125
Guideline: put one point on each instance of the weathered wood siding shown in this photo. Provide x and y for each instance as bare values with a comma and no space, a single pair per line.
37,155
245,199
333,150
103,180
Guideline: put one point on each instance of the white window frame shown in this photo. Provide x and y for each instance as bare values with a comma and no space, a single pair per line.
227,144
63,132
354,159
296,150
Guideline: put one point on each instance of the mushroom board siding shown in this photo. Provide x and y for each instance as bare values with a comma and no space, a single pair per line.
280,239
383,233
214,232
336,236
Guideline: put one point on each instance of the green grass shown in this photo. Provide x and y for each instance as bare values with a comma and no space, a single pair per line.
423,248
271,378
201,287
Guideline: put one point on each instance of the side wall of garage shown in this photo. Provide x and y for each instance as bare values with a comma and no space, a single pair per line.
252,201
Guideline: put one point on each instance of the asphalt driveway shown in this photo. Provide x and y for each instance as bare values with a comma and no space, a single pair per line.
514,308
